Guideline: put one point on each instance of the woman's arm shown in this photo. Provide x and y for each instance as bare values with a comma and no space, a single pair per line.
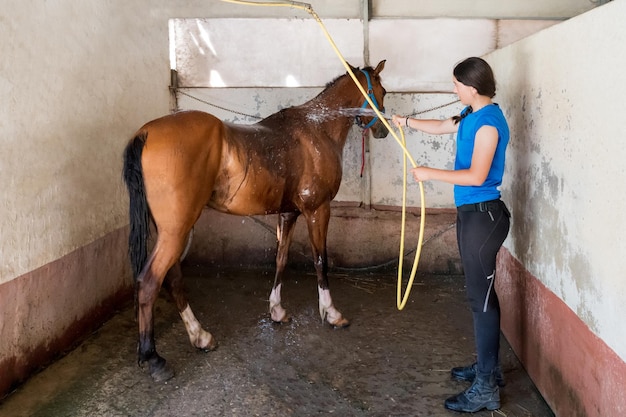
431,126
482,157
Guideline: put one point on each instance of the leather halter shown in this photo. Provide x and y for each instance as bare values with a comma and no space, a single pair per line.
370,93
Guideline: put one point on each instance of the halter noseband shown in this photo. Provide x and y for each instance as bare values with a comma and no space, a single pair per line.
370,93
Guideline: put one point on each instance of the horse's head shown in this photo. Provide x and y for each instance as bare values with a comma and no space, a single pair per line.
376,93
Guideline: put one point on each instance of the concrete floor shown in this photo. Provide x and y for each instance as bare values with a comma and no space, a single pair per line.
387,363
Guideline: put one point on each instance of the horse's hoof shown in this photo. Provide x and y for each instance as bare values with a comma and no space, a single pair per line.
333,317
162,374
206,343
284,320
279,315
340,324
211,346
160,371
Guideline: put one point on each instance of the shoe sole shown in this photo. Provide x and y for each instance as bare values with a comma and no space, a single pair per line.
490,406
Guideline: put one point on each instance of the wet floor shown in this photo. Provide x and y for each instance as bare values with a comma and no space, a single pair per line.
387,363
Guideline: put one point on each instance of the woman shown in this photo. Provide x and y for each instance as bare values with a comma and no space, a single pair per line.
482,218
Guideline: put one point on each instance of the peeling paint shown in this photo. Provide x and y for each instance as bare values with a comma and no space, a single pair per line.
564,165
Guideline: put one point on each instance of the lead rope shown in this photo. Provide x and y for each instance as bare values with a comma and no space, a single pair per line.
364,134
400,301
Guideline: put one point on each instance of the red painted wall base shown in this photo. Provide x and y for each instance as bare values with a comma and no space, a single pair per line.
575,371
46,312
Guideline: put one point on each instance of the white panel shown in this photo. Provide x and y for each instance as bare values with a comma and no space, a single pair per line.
326,9
510,31
495,9
422,53
263,52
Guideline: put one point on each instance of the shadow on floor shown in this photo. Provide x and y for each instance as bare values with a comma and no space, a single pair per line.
387,363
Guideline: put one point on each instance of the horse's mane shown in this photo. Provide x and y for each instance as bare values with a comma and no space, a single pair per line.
355,69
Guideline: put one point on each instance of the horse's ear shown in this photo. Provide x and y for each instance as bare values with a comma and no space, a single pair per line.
354,69
380,67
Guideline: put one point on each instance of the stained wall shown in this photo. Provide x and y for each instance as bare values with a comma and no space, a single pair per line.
77,79
563,266
80,78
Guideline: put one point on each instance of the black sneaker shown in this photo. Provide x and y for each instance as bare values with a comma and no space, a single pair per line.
483,393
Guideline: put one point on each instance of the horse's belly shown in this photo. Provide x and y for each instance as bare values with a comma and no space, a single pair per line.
243,208
261,197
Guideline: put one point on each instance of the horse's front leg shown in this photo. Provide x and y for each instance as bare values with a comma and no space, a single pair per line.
198,337
284,233
317,223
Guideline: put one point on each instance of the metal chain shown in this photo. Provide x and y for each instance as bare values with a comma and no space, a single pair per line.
433,109
216,106
257,117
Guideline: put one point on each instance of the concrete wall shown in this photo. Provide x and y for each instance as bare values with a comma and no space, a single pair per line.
78,80
493,9
563,269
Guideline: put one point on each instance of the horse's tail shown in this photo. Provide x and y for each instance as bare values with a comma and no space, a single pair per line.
138,209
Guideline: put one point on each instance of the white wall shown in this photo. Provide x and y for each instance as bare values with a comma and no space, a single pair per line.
493,9
77,79
234,53
565,172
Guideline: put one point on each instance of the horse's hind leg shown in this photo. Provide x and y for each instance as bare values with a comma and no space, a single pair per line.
198,337
149,282
317,222
284,232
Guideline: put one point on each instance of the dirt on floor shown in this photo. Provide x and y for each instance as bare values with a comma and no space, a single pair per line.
386,363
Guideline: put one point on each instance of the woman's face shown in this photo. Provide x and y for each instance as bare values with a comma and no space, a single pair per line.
465,92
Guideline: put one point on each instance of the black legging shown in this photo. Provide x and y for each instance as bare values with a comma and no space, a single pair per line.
480,236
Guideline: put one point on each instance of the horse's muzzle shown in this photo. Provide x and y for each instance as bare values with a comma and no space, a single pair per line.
379,130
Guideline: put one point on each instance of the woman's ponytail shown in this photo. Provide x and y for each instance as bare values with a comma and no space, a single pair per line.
463,115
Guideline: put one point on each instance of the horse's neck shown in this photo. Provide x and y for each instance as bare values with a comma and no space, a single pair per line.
333,120
335,108
343,94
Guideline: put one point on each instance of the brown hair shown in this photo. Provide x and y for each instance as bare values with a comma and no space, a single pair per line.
475,72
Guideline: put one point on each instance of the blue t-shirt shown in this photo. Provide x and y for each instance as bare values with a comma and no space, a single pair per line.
490,115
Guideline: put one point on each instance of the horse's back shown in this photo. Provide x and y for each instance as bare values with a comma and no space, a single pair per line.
276,165
190,123
195,159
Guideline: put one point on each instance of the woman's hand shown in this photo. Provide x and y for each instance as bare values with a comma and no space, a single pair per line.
421,173
399,121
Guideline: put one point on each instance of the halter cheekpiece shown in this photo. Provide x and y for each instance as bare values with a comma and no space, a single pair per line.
370,93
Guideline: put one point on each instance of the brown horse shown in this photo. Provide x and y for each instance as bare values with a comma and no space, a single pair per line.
289,163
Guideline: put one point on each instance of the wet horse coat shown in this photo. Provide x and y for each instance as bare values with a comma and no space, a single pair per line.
289,163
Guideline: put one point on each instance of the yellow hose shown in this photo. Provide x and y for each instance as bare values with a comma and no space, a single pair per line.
400,301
